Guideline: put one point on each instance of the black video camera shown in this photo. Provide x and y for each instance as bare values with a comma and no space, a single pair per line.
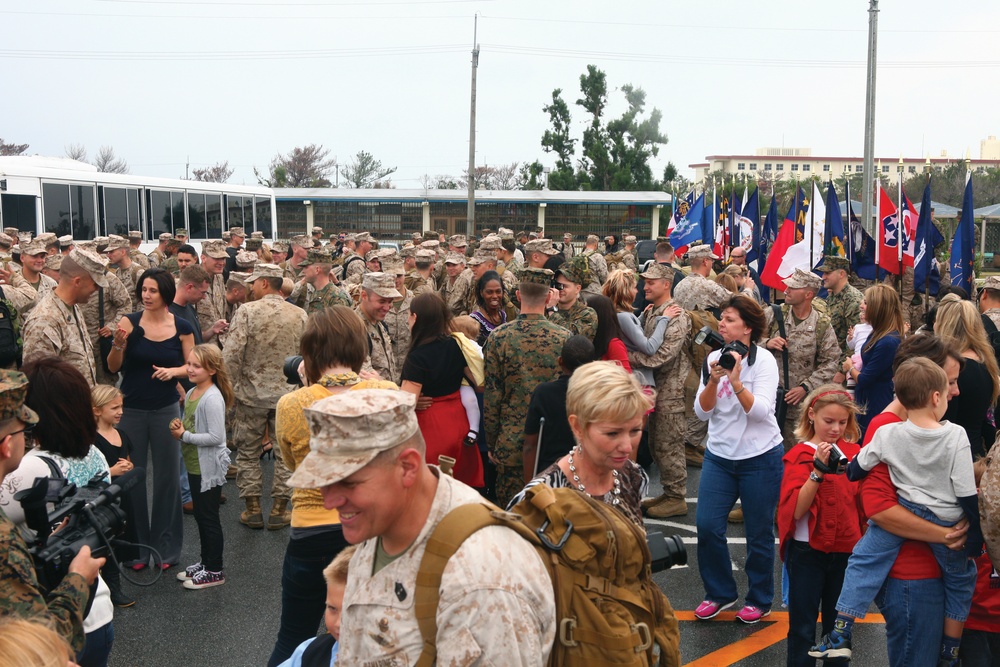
707,336
94,519
836,465
291,369
665,551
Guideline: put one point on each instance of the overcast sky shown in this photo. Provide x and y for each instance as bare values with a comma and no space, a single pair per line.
164,81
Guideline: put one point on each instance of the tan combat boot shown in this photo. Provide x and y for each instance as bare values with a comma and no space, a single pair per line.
646,503
280,515
667,508
252,517
694,456
736,516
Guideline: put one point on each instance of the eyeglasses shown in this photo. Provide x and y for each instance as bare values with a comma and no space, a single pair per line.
560,286
27,430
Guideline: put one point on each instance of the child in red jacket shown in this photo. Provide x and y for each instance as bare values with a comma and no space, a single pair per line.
818,523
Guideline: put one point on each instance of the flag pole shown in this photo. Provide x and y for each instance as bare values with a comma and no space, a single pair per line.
927,278
878,230
850,212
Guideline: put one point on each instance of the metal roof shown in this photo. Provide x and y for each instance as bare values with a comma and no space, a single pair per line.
940,210
643,198
991,211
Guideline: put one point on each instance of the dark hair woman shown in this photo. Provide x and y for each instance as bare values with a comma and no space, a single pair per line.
489,310
742,460
608,345
435,367
150,348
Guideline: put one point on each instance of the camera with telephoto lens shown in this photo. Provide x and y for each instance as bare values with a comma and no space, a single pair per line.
291,369
665,551
706,336
93,516
836,465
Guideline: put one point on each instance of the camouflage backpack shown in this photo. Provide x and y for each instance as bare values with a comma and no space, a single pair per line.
609,611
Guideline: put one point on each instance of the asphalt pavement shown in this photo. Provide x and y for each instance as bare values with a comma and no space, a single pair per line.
236,624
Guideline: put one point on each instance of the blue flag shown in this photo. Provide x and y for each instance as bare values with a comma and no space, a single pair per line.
767,236
962,251
751,212
862,247
925,269
709,212
834,237
688,229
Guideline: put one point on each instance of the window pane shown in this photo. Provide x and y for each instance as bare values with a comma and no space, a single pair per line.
263,216
248,215
115,211
159,213
55,208
177,210
234,211
134,219
196,215
19,211
213,216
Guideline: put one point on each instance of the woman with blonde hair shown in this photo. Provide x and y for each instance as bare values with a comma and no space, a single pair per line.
32,644
728,281
960,323
816,528
605,406
874,389
621,289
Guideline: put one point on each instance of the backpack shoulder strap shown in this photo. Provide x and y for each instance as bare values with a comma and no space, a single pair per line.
456,527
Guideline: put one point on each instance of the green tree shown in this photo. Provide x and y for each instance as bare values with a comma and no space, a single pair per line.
302,167
365,171
596,170
558,141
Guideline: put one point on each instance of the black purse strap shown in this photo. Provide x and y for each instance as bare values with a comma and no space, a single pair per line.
779,317
100,307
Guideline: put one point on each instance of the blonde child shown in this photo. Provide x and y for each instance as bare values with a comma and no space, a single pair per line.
314,650
106,402
466,331
203,445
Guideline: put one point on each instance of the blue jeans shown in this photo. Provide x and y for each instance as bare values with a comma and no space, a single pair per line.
815,579
303,589
98,647
185,484
874,555
914,620
756,482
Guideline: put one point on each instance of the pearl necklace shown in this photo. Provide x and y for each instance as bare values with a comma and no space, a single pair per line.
614,493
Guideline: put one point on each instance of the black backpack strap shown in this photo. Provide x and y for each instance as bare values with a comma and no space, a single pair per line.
100,307
779,317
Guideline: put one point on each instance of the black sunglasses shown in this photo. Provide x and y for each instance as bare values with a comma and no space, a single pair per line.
26,431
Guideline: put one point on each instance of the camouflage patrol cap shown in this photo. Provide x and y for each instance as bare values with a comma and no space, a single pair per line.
440,232
226,237
349,430
543,246
53,262
89,246
48,238
834,263
13,389
240,276
257,235
658,272
67,241
165,236
254,244
416,237
247,259
174,241
425,256
361,237
116,242
480,257
803,280
382,284
280,246
349,237
31,248
592,238
316,256
630,240
431,245
408,251
11,232
701,251
430,235
237,231
6,241
458,240
181,232
92,263
505,234
264,271
454,258
393,266
993,282
370,255
577,270
568,236
214,249
302,240
134,235
23,237
315,231
537,276
491,242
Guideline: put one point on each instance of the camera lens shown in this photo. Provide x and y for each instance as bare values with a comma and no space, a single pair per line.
291,369
665,552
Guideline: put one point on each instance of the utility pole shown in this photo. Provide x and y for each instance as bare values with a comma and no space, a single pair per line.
867,191
471,216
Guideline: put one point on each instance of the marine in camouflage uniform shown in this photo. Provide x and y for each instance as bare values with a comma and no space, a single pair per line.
116,305
843,307
519,356
598,266
21,594
671,367
263,332
567,247
579,318
381,357
213,307
813,352
55,328
397,320
357,268
989,299
455,291
630,257
316,271
129,275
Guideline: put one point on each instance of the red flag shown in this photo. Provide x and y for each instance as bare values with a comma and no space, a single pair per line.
888,234
786,239
910,220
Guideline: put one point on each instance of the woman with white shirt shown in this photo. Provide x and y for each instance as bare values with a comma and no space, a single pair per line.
743,460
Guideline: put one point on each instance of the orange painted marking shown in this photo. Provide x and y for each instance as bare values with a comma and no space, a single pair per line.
774,629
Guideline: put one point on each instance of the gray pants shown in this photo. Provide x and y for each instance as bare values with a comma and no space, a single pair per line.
151,441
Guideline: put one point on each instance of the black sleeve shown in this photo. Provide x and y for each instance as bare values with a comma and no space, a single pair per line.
415,367
855,472
532,421
974,542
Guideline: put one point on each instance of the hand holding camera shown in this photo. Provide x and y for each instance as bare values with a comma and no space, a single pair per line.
829,460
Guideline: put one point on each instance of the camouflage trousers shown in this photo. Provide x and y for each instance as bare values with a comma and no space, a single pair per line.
249,424
510,481
103,377
788,428
695,431
666,439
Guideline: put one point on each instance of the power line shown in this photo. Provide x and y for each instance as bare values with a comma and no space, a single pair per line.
283,3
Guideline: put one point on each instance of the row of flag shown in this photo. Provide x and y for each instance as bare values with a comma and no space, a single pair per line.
814,227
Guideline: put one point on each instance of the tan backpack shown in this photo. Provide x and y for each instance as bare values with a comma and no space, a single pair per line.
609,611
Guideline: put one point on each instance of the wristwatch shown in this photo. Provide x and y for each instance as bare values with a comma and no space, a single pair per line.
814,477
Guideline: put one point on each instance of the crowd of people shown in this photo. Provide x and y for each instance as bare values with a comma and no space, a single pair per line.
453,370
